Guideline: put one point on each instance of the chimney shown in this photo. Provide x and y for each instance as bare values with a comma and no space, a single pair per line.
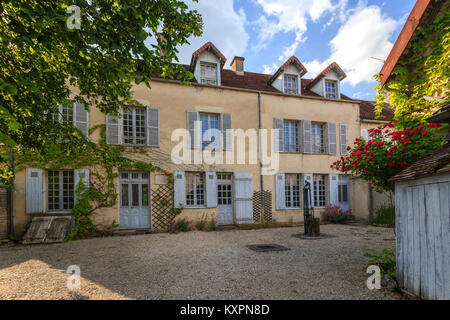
238,65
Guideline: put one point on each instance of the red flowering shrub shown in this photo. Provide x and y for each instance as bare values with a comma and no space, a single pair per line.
388,151
335,214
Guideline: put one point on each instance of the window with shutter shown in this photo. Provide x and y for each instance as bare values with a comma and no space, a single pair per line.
292,191
134,126
195,189
290,84
343,138
60,190
208,73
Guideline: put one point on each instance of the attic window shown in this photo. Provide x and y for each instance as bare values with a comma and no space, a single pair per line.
208,73
330,89
290,84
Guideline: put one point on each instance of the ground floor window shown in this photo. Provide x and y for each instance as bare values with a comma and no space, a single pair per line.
292,189
343,193
195,189
60,190
319,190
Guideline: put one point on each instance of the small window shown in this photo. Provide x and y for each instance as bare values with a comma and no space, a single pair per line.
290,84
292,189
209,122
134,126
291,138
319,190
343,193
208,73
195,189
331,89
60,190
318,138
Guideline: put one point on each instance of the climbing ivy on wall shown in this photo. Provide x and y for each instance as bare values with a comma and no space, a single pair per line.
423,71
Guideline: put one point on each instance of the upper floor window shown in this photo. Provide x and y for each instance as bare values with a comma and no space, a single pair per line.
292,190
63,114
60,190
195,189
318,138
134,126
208,73
290,84
210,123
331,89
319,190
291,133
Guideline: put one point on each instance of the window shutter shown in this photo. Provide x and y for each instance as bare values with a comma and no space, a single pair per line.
278,124
211,189
334,189
179,190
81,174
365,134
306,136
227,142
81,118
308,177
113,130
193,126
343,138
280,191
332,147
34,190
243,199
153,127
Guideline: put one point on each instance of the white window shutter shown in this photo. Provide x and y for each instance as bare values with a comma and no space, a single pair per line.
179,189
280,191
334,185
308,177
34,191
193,126
211,189
243,199
227,136
332,144
343,138
153,127
81,118
278,125
113,129
365,134
306,136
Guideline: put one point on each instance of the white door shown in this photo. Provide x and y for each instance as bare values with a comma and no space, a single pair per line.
344,192
225,199
134,200
243,197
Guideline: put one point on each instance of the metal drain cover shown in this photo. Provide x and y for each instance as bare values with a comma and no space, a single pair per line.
266,247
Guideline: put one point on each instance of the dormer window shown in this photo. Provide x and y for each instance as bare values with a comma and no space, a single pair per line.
331,89
208,73
290,84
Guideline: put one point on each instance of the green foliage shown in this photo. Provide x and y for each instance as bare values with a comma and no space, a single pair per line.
44,64
384,215
385,260
182,225
424,71
389,151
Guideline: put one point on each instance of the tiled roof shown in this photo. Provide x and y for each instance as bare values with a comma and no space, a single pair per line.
207,46
325,71
438,162
291,60
367,111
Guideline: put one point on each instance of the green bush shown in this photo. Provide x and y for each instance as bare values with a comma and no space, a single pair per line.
384,214
385,260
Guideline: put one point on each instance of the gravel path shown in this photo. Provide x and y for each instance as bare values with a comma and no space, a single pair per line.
199,265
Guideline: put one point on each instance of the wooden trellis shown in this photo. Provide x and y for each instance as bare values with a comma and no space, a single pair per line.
162,207
257,206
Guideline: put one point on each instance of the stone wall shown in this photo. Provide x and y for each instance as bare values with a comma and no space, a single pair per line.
3,213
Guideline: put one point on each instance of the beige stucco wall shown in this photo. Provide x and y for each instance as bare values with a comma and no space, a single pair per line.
174,100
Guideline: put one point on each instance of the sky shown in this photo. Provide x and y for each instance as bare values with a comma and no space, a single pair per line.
317,32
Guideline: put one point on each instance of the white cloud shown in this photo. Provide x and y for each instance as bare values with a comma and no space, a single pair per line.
266,69
222,25
365,34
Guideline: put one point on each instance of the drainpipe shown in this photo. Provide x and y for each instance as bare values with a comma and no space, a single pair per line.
261,181
11,182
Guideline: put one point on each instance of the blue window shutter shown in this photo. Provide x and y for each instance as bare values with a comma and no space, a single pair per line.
343,138
279,134
280,191
193,127
306,136
244,192
332,144
179,189
113,129
34,191
227,137
81,118
211,189
153,127
334,183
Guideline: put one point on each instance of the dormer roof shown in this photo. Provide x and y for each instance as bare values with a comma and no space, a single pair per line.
209,46
333,66
292,60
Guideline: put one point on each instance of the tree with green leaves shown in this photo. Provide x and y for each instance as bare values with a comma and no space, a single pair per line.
89,51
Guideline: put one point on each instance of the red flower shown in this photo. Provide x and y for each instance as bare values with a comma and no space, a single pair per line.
394,148
390,125
413,131
165,173
403,164
420,127
390,154
424,132
390,164
348,148
380,143
154,199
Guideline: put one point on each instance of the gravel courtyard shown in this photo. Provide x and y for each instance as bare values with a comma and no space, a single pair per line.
199,265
